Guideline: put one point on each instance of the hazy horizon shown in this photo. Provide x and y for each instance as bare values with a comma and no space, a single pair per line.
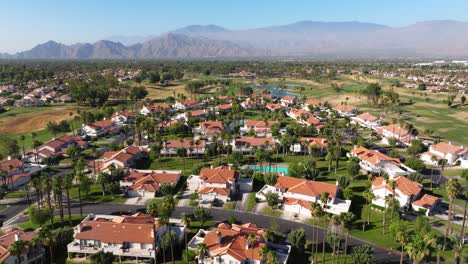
28,23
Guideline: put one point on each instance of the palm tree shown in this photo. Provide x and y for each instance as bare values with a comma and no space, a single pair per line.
22,138
202,250
47,239
347,222
369,196
324,200
33,136
47,187
263,253
417,249
442,164
17,248
67,185
402,236
433,159
186,221
251,241
393,185
335,221
165,209
317,213
58,191
453,188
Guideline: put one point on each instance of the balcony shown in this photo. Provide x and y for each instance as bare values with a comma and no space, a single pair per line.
129,252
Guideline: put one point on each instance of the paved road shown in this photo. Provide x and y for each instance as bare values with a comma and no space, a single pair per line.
284,226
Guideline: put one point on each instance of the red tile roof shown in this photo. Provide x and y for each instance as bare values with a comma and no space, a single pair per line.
120,229
232,240
150,182
254,141
367,117
220,174
404,185
9,237
372,156
217,190
345,108
426,201
449,148
11,165
305,187
260,123
185,144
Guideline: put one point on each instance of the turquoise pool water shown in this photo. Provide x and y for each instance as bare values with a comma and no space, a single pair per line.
271,169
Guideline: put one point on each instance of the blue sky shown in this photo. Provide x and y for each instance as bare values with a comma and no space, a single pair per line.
26,23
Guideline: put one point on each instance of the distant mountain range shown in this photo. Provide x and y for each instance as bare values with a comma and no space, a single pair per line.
441,38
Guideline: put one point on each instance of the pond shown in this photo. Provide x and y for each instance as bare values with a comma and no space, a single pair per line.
275,92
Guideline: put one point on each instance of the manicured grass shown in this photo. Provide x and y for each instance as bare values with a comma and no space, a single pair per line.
76,218
176,163
251,202
230,205
95,195
451,173
2,206
15,194
271,212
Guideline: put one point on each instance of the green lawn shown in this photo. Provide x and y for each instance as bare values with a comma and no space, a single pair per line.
15,194
76,219
271,212
230,205
251,202
95,195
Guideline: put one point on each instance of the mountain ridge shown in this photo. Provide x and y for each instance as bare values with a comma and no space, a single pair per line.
435,38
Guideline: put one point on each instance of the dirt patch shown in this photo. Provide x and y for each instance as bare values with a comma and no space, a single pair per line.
33,121
462,116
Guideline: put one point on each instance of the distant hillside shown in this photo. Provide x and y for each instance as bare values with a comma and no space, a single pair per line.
166,46
442,38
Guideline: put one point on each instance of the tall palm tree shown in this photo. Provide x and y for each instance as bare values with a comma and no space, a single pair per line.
67,185
417,249
47,239
442,164
47,187
17,248
324,200
335,222
33,136
165,209
402,236
453,188
202,250
369,196
263,253
393,185
347,220
317,213
186,221
22,138
433,159
58,192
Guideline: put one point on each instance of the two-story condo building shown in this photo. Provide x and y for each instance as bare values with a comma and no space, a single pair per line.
214,183
29,254
312,104
123,159
393,131
407,193
374,161
153,109
346,110
187,104
193,147
123,117
443,150
307,143
297,195
147,183
57,147
128,237
366,120
231,244
288,100
249,144
100,128
259,127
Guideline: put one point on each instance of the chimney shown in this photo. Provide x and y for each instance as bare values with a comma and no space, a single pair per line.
247,244
211,166
16,237
218,237
9,157
450,142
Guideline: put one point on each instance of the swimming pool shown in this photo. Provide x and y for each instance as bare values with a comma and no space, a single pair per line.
280,169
